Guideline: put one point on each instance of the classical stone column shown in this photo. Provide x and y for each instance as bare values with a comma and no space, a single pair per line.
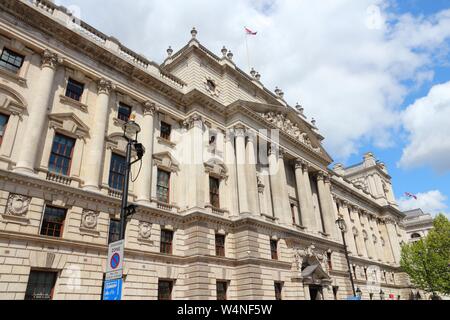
387,249
306,210
37,114
370,245
394,240
197,181
362,242
241,170
278,186
325,205
332,211
344,211
231,182
96,145
144,181
359,241
252,182
378,246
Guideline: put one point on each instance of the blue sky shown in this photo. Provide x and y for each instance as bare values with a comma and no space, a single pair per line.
375,74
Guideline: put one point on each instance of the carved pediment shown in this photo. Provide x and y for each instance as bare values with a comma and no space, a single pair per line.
312,265
166,161
11,101
282,122
69,123
216,167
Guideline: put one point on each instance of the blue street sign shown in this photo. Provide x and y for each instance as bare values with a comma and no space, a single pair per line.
353,298
113,290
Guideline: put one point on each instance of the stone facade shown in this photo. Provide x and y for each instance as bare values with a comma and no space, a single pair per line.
274,181
417,224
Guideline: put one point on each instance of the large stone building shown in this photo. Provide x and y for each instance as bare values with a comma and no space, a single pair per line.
417,224
235,198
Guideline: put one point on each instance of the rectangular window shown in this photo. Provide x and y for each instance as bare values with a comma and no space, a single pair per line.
166,241
221,288
293,213
166,130
53,221
163,186
274,249
41,285
74,89
330,262
61,155
3,123
220,245
11,61
114,231
117,172
165,289
214,198
278,290
124,112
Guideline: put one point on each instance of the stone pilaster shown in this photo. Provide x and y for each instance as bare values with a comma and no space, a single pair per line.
278,185
231,182
96,144
240,169
325,205
38,111
144,181
344,211
197,176
394,240
302,181
252,182
369,242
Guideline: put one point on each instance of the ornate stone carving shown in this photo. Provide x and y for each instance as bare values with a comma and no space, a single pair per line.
145,229
89,219
49,59
286,125
17,205
149,108
104,86
311,256
195,121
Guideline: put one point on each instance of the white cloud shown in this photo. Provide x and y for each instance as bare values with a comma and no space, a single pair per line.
430,202
428,123
343,60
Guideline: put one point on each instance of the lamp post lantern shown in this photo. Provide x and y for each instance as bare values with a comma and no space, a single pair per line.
130,132
341,224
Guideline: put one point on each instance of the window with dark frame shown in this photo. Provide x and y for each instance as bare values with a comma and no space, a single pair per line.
163,186
165,289
53,221
330,262
124,112
61,155
220,245
114,231
293,213
117,171
11,60
166,130
41,285
278,291
74,89
221,289
214,187
274,249
3,123
335,292
166,241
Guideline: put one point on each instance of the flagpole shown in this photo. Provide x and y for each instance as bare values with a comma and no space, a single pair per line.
248,53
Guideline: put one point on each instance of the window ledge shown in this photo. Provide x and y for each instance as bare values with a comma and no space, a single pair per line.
215,210
298,226
166,142
165,206
66,100
269,218
324,234
13,76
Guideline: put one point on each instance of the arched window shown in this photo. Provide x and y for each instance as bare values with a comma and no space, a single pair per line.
416,236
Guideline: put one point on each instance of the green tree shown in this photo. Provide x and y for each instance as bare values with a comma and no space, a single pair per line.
427,261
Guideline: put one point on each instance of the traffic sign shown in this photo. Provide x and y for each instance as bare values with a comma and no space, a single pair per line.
114,264
113,290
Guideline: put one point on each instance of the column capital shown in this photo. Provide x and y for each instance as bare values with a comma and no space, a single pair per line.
240,130
320,176
195,121
282,153
326,178
149,108
345,203
104,86
272,150
50,59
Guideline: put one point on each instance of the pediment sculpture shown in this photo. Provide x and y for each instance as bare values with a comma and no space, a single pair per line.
286,125
311,265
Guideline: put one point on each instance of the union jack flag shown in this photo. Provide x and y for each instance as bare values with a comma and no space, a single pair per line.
250,32
410,195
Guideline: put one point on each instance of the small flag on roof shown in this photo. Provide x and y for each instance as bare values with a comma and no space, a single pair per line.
410,195
250,32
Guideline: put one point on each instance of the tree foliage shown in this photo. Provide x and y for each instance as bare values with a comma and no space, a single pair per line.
427,261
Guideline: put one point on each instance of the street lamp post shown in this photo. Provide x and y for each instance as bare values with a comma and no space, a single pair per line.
341,224
130,132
